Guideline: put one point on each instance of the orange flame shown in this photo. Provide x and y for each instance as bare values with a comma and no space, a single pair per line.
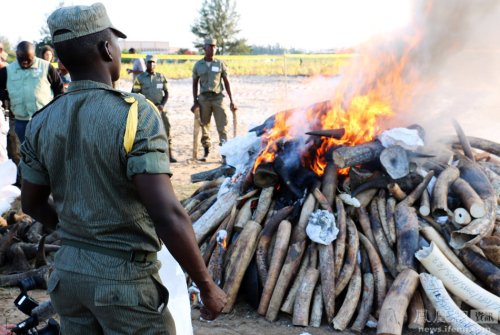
224,243
372,90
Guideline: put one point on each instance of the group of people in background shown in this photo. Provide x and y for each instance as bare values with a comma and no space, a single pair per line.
31,82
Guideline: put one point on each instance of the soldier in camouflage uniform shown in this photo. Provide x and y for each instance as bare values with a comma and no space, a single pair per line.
154,87
103,155
210,72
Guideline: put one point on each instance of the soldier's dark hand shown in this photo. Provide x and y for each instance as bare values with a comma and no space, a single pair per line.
196,105
233,107
214,300
160,108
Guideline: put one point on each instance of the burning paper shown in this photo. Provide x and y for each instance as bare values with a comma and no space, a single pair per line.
408,139
321,227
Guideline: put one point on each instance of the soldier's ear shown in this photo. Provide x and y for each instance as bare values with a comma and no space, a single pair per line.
106,52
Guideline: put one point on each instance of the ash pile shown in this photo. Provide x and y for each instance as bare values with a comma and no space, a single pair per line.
388,233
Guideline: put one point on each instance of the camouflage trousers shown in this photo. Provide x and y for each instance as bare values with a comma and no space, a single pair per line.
217,107
166,123
92,305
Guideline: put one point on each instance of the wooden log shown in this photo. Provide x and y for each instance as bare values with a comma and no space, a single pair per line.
464,142
364,222
445,306
317,307
351,258
461,217
416,319
366,304
472,294
279,254
289,303
425,204
407,232
329,183
469,198
286,276
263,206
483,268
491,248
407,184
391,223
395,161
396,191
5,242
265,176
381,205
386,251
307,209
417,193
240,259
265,240
222,171
13,280
341,237
215,215
208,184
303,299
431,235
348,308
326,269
202,207
357,155
244,215
396,302
439,203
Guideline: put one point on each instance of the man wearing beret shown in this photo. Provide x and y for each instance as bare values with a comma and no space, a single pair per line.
210,72
154,87
103,155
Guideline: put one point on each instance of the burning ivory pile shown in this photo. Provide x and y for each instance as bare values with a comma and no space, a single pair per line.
401,233
27,249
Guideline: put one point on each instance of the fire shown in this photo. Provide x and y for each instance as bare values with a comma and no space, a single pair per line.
224,243
372,90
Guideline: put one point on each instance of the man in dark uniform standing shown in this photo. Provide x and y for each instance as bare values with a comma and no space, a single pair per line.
154,86
101,153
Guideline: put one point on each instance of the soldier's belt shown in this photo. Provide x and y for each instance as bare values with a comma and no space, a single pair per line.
210,94
134,256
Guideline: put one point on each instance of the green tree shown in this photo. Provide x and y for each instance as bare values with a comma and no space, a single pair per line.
219,19
45,33
8,49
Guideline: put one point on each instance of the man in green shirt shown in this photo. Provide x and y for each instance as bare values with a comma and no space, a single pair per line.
102,154
210,72
154,87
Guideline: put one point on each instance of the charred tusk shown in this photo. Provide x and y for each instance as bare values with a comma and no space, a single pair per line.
396,302
265,176
5,242
443,303
491,248
279,254
317,307
416,319
386,251
244,215
364,222
417,193
472,294
469,198
439,204
351,259
391,222
40,259
464,142
396,191
366,304
327,268
263,206
381,205
341,237
348,308
425,205
407,232
329,182
307,209
13,280
289,303
483,268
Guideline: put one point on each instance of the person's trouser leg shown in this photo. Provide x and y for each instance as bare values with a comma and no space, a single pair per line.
221,119
20,127
13,144
205,117
91,305
166,124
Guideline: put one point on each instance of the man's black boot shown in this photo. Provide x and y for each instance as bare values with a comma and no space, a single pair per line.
207,152
171,156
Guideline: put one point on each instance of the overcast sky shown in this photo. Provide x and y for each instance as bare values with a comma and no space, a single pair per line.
312,24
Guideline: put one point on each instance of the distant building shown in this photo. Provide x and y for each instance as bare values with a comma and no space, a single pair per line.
147,46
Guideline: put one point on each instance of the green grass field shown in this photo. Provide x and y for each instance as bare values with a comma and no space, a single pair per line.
308,67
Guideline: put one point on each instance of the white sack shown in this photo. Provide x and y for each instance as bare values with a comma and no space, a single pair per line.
174,280
321,227
408,139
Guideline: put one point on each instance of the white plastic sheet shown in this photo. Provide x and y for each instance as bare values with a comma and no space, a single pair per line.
236,150
8,192
4,129
174,280
408,139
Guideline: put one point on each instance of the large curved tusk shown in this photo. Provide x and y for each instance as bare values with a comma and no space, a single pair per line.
348,308
456,282
443,303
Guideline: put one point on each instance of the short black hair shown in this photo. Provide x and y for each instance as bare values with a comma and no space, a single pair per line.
25,46
131,51
46,48
82,51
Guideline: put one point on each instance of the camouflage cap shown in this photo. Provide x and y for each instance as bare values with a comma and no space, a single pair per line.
151,58
79,21
210,41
